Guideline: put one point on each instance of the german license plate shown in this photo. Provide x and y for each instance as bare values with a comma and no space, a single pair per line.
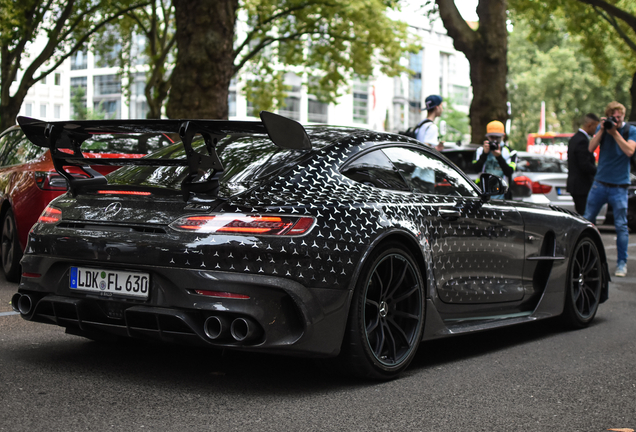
561,191
110,282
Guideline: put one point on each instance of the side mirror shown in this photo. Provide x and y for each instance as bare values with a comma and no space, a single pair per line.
492,185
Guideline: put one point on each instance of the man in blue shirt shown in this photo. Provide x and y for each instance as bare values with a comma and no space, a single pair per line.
617,140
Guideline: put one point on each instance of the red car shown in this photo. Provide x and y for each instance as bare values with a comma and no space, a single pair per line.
28,182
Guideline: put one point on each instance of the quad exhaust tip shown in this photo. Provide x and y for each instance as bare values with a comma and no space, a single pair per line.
244,330
217,327
22,303
240,329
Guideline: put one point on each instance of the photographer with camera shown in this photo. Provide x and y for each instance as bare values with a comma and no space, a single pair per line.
494,157
617,141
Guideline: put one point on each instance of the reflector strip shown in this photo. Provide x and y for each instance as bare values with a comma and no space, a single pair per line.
31,275
222,294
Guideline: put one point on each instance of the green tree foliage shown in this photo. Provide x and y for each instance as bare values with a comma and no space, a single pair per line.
606,30
79,109
62,26
553,67
457,122
326,42
155,24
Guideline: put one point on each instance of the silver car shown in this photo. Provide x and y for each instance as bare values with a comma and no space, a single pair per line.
538,178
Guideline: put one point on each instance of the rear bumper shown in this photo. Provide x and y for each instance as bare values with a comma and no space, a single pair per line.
288,317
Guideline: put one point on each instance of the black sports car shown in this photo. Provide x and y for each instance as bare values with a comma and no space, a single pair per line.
322,242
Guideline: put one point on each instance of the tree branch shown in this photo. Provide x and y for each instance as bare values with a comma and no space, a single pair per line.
458,29
628,18
612,21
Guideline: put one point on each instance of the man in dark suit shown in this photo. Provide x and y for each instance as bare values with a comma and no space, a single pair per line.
581,163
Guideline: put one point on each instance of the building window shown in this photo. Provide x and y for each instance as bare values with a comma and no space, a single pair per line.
43,110
360,101
58,79
106,85
317,111
291,108
231,103
415,88
111,108
43,80
444,60
57,111
79,60
28,110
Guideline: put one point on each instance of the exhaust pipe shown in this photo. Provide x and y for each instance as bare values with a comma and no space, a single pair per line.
216,327
244,330
14,302
25,304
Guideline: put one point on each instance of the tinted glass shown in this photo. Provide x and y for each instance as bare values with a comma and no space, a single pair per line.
17,149
246,160
126,143
463,159
375,169
539,164
425,173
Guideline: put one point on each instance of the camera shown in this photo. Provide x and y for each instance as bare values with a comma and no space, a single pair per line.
494,145
610,122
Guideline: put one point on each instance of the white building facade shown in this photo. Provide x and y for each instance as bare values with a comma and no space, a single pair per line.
379,103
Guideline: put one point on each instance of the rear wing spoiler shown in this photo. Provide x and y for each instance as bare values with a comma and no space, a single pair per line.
65,138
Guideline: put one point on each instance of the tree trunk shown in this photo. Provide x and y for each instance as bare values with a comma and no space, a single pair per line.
486,50
204,64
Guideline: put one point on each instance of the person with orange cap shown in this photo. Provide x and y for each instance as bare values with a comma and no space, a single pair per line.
494,156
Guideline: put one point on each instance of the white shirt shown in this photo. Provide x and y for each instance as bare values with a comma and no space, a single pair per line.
428,134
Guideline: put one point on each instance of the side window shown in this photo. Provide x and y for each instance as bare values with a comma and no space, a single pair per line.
374,169
425,173
17,149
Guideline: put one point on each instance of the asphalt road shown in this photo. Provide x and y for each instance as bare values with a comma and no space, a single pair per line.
534,377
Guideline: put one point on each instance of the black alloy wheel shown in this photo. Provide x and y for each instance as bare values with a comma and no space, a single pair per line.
11,252
585,281
387,315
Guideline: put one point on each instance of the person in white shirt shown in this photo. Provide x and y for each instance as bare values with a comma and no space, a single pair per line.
428,132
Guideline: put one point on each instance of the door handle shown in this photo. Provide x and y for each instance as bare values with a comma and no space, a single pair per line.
449,214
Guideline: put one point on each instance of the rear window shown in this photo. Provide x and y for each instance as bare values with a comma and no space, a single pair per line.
125,143
247,160
540,164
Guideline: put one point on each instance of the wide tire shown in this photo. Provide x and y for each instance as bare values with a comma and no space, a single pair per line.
584,285
387,315
11,251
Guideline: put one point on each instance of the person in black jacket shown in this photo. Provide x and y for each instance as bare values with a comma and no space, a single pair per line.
581,163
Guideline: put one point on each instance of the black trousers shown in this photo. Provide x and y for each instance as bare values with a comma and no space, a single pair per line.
580,201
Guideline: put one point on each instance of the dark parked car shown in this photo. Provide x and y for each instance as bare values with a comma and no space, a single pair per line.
28,182
324,242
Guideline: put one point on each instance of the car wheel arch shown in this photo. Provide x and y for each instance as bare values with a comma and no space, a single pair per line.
407,239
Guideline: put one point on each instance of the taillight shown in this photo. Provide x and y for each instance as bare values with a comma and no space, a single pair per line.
244,224
539,188
50,215
523,181
536,187
122,192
